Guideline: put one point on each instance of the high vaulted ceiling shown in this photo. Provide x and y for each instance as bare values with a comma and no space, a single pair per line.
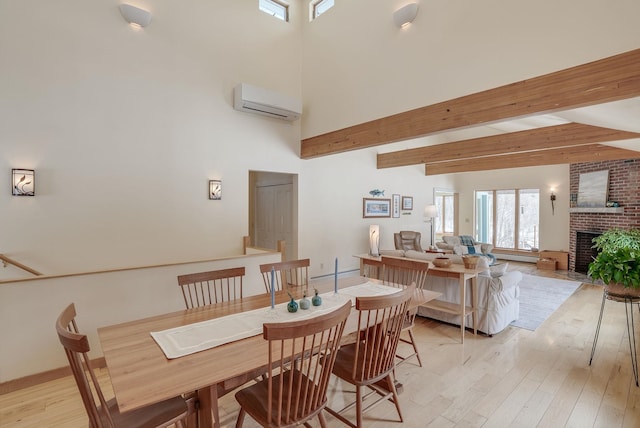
580,114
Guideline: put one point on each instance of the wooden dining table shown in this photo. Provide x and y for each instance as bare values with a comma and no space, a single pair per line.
141,374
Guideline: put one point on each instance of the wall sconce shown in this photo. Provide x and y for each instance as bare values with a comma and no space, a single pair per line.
405,15
23,182
135,16
374,240
553,200
215,190
430,212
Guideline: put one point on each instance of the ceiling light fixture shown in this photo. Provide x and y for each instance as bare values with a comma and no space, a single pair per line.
135,16
405,15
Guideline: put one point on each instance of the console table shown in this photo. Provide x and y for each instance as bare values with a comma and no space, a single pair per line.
463,275
455,271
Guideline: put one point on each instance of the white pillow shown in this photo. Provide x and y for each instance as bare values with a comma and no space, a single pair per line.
451,240
483,263
498,269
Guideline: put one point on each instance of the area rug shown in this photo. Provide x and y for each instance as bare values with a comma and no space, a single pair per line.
540,297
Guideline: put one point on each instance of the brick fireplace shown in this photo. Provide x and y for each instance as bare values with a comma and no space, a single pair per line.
624,188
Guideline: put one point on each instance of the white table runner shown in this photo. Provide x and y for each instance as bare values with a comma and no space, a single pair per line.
188,339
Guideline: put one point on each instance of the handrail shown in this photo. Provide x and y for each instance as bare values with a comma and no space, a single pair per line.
6,260
40,276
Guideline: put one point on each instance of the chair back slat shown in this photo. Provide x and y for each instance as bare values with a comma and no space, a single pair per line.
372,268
206,288
287,275
380,323
76,347
302,355
396,271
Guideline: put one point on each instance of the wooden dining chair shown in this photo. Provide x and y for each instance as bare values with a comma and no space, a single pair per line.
293,394
103,412
405,272
206,288
370,361
289,274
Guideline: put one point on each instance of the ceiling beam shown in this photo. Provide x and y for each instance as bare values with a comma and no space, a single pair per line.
550,137
609,79
577,154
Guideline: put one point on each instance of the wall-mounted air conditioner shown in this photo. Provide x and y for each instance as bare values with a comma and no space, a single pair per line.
252,99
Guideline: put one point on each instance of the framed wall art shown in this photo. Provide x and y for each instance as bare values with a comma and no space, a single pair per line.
395,206
407,203
376,207
593,188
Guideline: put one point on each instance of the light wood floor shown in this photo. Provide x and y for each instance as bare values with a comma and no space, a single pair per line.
517,378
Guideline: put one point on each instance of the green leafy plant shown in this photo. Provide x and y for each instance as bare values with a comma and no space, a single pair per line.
616,238
618,260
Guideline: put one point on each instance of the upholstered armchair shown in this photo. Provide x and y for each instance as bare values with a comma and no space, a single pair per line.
407,240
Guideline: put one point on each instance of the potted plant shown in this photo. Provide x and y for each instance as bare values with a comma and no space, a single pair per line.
617,264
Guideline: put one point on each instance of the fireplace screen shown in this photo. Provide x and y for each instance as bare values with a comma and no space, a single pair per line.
585,253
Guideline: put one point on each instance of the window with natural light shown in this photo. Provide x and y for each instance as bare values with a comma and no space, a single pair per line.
444,223
275,8
508,218
319,7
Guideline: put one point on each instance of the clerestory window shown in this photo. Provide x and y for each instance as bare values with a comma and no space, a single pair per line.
276,8
319,7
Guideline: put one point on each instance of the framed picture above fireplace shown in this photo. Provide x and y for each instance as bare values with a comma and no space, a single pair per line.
593,189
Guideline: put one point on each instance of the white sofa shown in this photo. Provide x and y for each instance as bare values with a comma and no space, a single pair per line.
498,297
450,242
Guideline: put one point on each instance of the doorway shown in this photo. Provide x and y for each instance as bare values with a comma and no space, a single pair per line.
273,211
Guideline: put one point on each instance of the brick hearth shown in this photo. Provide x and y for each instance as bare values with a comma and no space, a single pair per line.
624,188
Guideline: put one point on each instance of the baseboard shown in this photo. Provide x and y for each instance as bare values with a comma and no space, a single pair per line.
516,255
343,274
42,377
517,258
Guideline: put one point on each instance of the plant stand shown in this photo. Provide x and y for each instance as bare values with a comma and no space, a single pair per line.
617,293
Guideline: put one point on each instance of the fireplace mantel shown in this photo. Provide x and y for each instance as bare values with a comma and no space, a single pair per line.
601,210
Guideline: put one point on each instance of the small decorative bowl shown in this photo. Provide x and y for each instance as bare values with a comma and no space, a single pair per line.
442,262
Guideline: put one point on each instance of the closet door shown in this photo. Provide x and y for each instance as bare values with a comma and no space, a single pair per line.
274,216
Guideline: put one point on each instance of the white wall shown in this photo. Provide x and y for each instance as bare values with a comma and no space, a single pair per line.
554,230
358,66
125,128
29,309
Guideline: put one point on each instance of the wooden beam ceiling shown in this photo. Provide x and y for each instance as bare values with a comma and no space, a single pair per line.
609,79
550,137
575,154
